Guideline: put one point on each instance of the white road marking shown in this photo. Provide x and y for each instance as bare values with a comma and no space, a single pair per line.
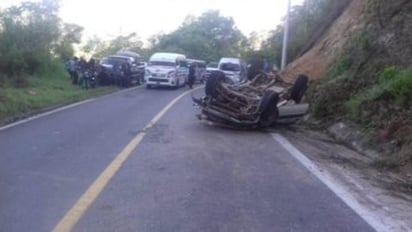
342,192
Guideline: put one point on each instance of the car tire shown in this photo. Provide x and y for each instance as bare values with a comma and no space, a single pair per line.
299,88
148,86
268,108
215,78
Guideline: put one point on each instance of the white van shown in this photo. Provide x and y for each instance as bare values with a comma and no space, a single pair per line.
166,69
234,68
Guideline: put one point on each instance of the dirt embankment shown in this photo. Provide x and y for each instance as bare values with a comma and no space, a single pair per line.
317,60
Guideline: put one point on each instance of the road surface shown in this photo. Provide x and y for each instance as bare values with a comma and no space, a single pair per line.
181,175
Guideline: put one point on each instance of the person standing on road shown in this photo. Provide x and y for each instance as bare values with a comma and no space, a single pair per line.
126,75
71,68
254,69
117,72
81,68
266,67
192,73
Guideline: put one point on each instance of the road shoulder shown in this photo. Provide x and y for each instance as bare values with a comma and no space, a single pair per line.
352,170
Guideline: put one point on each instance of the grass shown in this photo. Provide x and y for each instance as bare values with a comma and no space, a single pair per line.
341,67
42,92
394,84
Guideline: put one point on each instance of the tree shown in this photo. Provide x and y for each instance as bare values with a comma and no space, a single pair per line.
99,48
307,23
32,36
209,36
70,34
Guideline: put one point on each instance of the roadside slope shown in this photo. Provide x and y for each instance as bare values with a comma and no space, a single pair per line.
362,74
317,60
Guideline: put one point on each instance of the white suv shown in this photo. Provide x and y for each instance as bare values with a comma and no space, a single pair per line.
234,69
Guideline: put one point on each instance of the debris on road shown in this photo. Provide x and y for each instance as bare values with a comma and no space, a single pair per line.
258,103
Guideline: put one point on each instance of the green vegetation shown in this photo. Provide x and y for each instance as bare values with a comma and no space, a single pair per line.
397,83
308,22
34,43
42,92
371,84
209,36
341,68
212,36
33,40
393,85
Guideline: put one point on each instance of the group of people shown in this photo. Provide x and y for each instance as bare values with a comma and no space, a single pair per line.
261,66
82,72
89,74
121,75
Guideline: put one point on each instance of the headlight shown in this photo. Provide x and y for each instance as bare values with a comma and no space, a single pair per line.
171,74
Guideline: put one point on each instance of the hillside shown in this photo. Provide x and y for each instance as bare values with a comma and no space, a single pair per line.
361,72
317,60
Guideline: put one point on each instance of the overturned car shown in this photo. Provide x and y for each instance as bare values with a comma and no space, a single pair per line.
259,103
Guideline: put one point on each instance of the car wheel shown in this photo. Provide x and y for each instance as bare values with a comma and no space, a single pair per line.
299,88
268,108
148,86
215,78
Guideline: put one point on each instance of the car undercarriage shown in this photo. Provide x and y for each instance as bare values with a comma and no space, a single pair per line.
259,103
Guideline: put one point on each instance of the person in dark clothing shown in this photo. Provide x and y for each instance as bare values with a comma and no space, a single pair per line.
81,68
192,72
255,68
117,73
266,67
126,74
103,75
92,70
72,69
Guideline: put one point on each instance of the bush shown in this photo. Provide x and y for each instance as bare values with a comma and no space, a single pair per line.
32,39
393,89
342,66
397,83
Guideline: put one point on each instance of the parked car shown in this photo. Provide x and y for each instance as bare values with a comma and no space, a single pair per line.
200,69
211,66
137,64
166,69
107,64
259,103
234,69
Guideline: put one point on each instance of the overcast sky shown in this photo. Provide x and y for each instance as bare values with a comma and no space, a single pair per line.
110,18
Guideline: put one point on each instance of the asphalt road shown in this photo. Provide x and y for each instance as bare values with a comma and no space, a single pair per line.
183,176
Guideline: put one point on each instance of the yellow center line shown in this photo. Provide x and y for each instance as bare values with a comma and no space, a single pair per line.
72,217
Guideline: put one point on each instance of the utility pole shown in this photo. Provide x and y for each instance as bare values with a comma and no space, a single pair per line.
285,39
